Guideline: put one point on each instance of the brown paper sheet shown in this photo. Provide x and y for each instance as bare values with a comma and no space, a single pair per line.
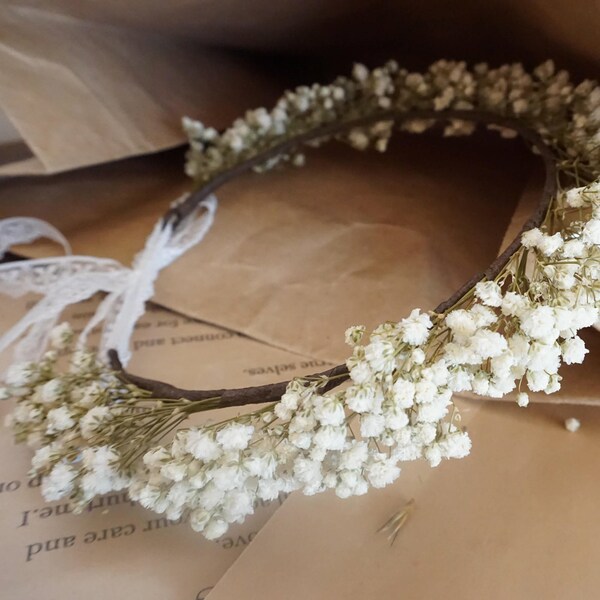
516,519
82,93
115,549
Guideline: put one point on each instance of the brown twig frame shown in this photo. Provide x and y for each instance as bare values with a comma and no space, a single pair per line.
273,392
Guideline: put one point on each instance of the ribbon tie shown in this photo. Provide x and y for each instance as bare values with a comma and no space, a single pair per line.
66,280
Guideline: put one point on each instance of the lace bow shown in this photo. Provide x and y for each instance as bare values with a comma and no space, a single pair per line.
66,280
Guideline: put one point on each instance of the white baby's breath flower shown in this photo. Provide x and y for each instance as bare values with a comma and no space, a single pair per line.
489,293
59,419
591,232
269,489
361,372
355,456
395,419
211,495
215,528
432,412
483,385
461,323
574,350
156,457
201,445
359,398
460,380
42,457
415,328
307,471
531,238
358,139
234,436
483,316
20,375
228,476
572,424
360,72
544,357
354,334
330,438
538,322
574,197
418,356
425,391
455,445
404,393
537,381
329,410
291,399
553,384
434,455
488,344
302,439
574,249
173,470
382,471
514,304
237,505
52,391
82,362
100,458
380,355
372,425
585,316
549,244
59,483
90,395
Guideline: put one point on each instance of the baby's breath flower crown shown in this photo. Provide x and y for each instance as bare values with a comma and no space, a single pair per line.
97,428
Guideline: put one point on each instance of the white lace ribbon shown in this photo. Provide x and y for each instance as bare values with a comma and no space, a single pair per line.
24,230
67,280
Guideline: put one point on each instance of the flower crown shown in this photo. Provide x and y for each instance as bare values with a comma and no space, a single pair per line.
97,427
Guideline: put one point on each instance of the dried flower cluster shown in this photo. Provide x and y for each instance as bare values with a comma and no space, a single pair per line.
95,434
88,428
566,115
